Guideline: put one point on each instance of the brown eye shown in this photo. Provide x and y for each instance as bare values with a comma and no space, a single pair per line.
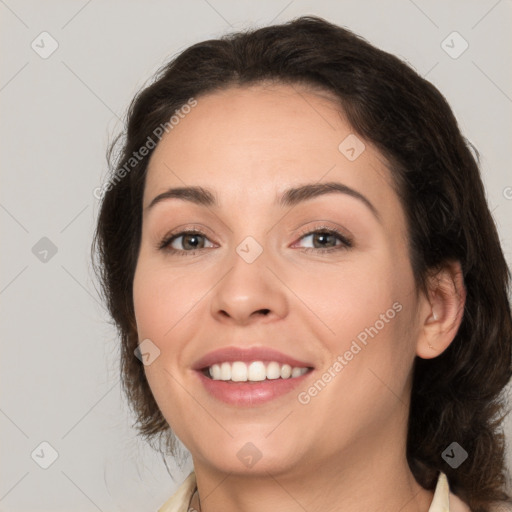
325,240
191,241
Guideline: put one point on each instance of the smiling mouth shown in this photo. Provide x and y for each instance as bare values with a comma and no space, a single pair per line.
254,372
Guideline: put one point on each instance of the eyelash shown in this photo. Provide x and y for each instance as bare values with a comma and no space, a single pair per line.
346,242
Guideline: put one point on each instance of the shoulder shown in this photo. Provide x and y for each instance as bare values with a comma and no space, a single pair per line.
456,504
179,501
444,499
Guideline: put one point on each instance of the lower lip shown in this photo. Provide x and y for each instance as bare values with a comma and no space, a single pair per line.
247,394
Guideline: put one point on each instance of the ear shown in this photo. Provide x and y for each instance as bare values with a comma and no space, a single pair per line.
442,311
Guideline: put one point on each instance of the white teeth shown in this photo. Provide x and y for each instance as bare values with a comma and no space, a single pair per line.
238,372
225,371
255,371
273,370
286,371
296,372
215,372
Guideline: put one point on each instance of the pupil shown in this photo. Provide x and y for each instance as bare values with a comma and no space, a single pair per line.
324,235
187,237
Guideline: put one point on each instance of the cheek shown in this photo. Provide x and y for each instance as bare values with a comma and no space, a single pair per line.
161,297
163,304
168,303
366,316
347,298
148,304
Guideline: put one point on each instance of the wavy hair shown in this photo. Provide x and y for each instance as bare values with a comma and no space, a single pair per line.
457,396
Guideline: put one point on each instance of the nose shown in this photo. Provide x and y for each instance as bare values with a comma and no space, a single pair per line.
249,292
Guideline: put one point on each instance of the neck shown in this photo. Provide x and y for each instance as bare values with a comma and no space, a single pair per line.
364,477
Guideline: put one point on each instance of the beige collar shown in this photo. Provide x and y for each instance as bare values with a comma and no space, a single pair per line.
443,501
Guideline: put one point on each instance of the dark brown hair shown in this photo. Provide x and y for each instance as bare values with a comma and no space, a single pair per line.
457,396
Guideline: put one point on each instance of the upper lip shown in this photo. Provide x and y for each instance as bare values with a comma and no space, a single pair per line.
231,354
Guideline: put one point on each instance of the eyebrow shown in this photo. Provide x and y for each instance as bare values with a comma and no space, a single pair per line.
290,197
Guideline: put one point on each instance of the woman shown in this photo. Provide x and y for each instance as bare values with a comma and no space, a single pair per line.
363,371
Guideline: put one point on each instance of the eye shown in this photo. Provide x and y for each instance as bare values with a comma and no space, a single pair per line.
191,242
327,238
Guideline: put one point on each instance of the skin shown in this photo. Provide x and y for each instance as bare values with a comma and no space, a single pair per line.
347,445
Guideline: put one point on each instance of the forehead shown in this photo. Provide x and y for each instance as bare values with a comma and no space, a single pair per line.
249,143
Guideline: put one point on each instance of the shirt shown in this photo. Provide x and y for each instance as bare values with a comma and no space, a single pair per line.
444,500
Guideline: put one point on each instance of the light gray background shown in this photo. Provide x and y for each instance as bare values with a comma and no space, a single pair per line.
59,375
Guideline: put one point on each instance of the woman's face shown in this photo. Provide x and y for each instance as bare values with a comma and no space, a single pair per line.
345,304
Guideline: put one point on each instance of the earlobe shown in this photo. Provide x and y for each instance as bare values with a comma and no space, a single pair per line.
442,311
